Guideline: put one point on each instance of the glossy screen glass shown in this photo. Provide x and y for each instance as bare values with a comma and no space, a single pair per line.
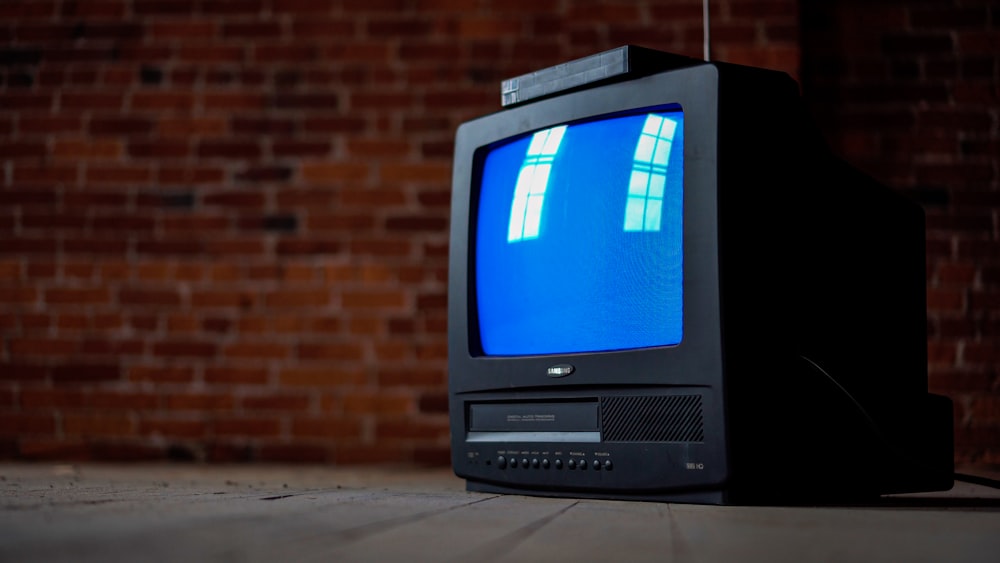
578,238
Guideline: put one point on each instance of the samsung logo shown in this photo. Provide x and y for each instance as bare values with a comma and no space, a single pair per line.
561,370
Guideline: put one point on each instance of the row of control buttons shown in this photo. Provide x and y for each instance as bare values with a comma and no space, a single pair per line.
544,463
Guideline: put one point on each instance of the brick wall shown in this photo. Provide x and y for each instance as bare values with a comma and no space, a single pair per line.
910,92
223,223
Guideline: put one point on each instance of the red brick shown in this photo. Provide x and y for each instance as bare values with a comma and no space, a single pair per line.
190,174
214,402
335,427
320,222
91,245
182,29
252,30
246,427
211,53
113,125
178,324
408,377
23,372
97,9
307,8
29,323
14,100
241,299
91,101
417,223
378,403
200,223
303,247
113,348
229,149
987,353
127,401
256,350
25,173
263,126
68,323
185,127
285,53
335,124
283,402
10,270
18,295
168,247
281,148
22,150
153,271
28,197
236,247
159,297
184,349
78,373
169,374
31,398
16,424
93,197
381,248
44,448
94,425
233,7
234,101
330,351
122,223
86,149
78,296
297,298
322,377
317,101
426,173
173,428
239,199
374,299
253,376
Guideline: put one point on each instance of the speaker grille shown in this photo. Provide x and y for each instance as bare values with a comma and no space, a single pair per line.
670,418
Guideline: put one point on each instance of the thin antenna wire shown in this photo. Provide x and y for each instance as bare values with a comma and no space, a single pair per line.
705,29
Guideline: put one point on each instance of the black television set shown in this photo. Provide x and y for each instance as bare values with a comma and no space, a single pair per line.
664,286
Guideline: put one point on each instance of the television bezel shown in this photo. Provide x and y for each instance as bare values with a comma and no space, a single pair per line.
697,359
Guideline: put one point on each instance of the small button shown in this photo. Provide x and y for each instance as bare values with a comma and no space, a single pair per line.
582,465
597,465
513,463
524,462
502,462
571,464
559,464
535,463
545,463
608,466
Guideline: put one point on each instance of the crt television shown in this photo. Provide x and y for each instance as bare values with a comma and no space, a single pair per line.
662,286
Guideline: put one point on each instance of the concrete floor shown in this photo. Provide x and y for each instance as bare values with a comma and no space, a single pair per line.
191,513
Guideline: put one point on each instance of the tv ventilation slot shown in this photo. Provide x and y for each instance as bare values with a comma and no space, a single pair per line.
671,418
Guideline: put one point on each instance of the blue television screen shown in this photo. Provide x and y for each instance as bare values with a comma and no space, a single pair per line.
578,238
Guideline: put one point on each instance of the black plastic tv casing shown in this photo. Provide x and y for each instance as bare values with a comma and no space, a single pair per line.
802,372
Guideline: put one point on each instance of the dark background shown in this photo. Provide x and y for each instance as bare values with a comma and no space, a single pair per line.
223,223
